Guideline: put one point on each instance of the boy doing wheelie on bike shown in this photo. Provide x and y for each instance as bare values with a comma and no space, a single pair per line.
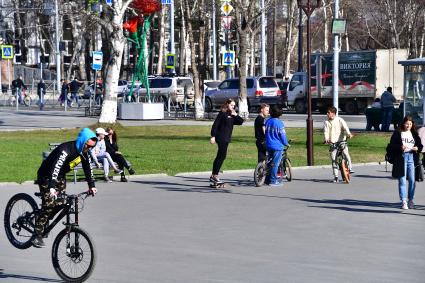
336,130
275,141
51,177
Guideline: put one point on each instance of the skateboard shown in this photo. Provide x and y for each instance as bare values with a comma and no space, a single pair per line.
217,185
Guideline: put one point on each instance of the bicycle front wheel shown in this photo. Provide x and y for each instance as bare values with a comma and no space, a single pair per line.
345,172
73,255
260,173
287,170
19,220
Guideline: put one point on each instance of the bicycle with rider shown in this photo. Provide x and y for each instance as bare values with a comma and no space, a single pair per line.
336,130
51,177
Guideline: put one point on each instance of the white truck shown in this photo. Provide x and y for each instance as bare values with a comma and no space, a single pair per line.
363,76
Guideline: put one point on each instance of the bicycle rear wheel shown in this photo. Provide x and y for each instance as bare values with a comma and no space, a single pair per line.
260,173
287,170
345,172
19,220
73,255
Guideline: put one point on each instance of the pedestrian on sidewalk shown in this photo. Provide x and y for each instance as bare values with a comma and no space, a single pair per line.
221,134
64,93
74,86
260,130
387,103
405,145
41,92
275,142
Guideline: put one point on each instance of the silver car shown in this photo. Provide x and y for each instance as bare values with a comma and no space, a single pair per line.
173,88
259,90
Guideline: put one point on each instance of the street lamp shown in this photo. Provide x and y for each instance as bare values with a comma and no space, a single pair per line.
308,7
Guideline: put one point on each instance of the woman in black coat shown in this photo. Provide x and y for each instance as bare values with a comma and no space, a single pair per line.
116,155
221,133
405,146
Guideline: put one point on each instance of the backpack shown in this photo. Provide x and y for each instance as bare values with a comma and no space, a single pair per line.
389,155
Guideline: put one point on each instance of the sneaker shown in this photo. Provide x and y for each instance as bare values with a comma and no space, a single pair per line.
124,179
131,171
106,179
118,171
38,242
276,184
215,179
352,171
404,205
335,180
411,204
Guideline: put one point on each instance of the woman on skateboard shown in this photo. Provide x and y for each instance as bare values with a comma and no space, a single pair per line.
221,133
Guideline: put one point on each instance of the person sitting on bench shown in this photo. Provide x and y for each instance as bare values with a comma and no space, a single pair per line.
113,150
100,154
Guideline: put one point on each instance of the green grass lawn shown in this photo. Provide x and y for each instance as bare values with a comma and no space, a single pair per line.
174,149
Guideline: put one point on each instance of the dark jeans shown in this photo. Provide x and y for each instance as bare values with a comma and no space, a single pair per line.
120,160
221,156
387,117
262,150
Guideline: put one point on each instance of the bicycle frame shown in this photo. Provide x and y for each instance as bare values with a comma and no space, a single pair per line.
66,210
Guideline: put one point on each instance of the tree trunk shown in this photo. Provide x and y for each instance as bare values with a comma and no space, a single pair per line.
242,58
199,107
117,41
161,42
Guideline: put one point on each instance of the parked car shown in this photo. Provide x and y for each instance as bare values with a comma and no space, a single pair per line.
175,88
259,90
210,84
121,89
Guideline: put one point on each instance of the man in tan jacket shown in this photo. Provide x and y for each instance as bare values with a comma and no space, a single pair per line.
336,130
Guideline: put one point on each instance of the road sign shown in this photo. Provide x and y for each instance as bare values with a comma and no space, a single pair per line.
97,60
226,8
226,21
166,2
228,58
7,51
109,2
171,61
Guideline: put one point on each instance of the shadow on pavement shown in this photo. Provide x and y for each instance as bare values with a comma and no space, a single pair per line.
32,278
345,203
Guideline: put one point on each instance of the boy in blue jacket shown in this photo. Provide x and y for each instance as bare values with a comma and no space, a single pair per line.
276,141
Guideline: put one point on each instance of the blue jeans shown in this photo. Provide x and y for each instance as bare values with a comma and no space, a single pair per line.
409,170
387,117
276,156
74,95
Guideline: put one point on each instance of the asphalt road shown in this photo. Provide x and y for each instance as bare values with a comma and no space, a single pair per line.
176,229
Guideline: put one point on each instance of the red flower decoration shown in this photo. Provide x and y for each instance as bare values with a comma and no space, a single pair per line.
146,7
131,24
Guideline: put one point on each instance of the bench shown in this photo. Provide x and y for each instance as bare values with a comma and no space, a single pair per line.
374,118
94,167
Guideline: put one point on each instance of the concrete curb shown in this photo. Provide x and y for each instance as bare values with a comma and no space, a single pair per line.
240,171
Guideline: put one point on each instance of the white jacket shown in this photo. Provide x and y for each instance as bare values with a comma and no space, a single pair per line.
336,130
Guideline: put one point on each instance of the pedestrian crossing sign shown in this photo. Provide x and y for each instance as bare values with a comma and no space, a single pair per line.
7,52
228,58
171,61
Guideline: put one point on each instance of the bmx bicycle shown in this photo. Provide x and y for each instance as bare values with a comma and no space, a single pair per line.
73,251
341,159
263,168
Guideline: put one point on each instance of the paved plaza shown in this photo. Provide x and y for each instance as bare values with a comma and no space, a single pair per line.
176,229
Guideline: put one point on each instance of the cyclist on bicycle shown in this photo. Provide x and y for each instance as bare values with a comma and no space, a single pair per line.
51,177
260,129
336,130
275,141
